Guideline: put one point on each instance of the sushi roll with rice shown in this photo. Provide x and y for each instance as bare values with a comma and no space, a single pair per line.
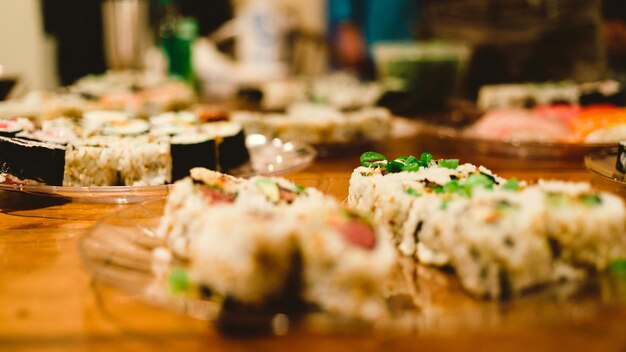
10,127
112,160
242,254
131,127
95,120
501,237
266,241
191,150
91,162
145,162
584,226
345,258
31,160
230,141
494,241
188,199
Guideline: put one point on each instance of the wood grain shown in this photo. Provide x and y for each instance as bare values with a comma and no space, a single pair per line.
48,302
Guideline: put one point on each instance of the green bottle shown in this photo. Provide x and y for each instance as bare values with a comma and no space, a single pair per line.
176,37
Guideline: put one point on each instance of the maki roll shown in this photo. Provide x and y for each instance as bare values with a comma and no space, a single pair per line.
60,131
132,127
189,150
585,227
173,123
91,162
620,163
144,161
31,160
345,260
230,143
111,161
11,126
251,264
602,92
186,202
95,120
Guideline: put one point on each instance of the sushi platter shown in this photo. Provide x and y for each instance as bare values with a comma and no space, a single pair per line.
542,120
266,157
405,244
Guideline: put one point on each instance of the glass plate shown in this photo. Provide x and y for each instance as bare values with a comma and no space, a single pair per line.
516,148
267,157
117,252
602,163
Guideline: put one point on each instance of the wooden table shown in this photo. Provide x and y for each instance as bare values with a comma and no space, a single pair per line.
48,301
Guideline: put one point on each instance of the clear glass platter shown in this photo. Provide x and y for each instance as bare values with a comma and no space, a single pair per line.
118,253
602,163
516,148
267,157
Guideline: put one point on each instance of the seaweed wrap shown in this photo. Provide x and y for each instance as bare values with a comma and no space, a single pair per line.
189,150
230,142
32,160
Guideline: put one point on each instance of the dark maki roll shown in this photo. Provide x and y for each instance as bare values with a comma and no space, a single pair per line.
620,163
231,143
31,160
602,92
192,150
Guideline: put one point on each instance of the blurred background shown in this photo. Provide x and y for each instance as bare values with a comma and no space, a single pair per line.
436,48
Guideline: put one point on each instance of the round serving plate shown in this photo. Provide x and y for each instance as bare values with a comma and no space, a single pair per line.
119,253
270,157
516,148
602,163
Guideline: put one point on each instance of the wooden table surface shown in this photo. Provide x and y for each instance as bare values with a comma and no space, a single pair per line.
48,301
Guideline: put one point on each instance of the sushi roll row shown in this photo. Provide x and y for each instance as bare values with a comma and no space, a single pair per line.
528,95
109,161
317,124
109,148
254,240
501,237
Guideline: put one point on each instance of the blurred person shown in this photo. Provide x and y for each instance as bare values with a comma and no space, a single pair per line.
78,30
523,40
355,26
614,14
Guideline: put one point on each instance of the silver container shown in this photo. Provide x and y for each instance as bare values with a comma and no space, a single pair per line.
126,33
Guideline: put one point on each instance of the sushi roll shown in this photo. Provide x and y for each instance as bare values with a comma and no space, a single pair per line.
189,150
31,160
494,240
144,162
242,254
345,259
230,141
620,162
585,227
174,123
131,127
188,198
92,162
61,131
271,194
602,92
10,127
95,120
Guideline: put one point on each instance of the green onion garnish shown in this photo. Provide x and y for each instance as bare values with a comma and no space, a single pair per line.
449,163
369,159
178,281
591,200
511,185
